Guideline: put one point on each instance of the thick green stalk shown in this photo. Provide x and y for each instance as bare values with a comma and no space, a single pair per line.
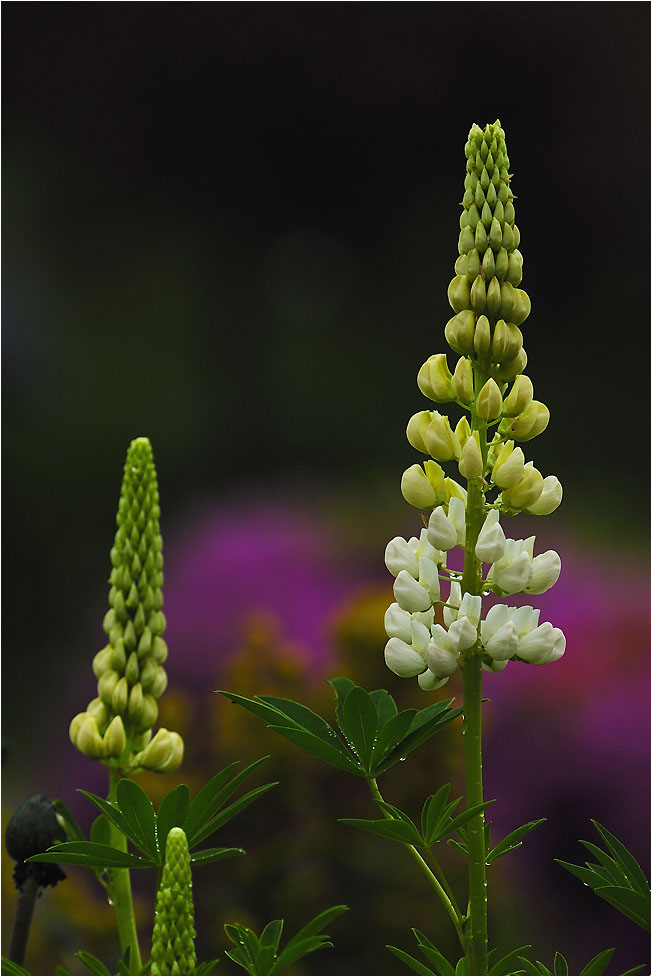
119,888
447,898
476,927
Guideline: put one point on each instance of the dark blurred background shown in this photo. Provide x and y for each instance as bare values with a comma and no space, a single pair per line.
230,227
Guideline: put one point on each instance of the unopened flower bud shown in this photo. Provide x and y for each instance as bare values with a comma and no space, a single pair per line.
522,307
482,335
88,740
409,594
434,379
459,293
502,264
478,295
462,430
509,467
163,754
531,422
520,396
135,703
439,440
496,236
106,685
506,301
102,661
493,295
455,491
515,268
527,491
442,534
470,463
115,740
489,402
120,696
462,382
416,428
160,683
132,669
491,543
511,368
159,650
549,499
416,488
402,659
459,331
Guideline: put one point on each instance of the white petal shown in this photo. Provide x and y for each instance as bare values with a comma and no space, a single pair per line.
525,619
550,497
471,607
454,599
399,556
462,634
496,617
515,577
420,638
398,623
537,645
441,531
491,544
401,659
425,617
428,681
496,666
410,595
545,572
429,577
557,649
440,637
440,662
424,548
503,644
457,515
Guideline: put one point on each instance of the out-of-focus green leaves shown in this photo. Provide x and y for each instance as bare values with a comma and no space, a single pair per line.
512,840
436,821
595,966
259,954
616,877
374,734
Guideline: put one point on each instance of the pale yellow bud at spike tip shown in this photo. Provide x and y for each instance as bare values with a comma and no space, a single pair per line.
434,379
416,429
440,441
470,463
520,396
462,382
489,402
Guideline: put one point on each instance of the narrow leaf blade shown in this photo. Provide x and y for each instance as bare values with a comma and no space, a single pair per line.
137,810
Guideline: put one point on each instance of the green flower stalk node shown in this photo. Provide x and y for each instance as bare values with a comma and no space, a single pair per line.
117,725
173,946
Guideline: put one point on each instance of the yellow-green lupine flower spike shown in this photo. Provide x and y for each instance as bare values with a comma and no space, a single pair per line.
173,940
488,270
129,672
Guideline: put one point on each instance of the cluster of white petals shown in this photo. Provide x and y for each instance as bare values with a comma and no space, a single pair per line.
515,632
518,571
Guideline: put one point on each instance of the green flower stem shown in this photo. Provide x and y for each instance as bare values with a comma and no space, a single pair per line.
445,894
476,927
23,919
120,891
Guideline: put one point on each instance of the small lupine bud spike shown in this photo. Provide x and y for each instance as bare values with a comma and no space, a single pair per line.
473,265
531,422
145,643
98,709
466,240
462,430
160,683
509,467
173,946
549,499
489,402
493,296
440,441
482,335
132,669
520,396
508,238
459,293
485,215
526,492
459,331
416,429
115,740
149,713
462,381
488,265
509,213
159,650
148,673
495,237
135,702
470,463
511,368
517,235
500,343
473,217
507,301
120,696
522,307
118,657
502,265
478,295
434,379
460,265
481,241
416,488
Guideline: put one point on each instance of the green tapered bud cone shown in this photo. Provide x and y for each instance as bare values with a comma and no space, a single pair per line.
173,940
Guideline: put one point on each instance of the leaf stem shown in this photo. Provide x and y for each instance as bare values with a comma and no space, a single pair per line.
23,918
119,888
446,897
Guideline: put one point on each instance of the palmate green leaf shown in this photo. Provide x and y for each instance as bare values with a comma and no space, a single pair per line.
432,812
91,855
111,813
462,819
425,724
512,840
560,965
92,964
359,724
306,939
211,798
505,964
341,687
596,965
612,871
393,830
207,967
432,954
533,968
391,735
633,871
206,855
230,812
303,718
101,831
172,813
415,965
70,825
385,706
136,808
269,941
9,967
634,905
336,756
